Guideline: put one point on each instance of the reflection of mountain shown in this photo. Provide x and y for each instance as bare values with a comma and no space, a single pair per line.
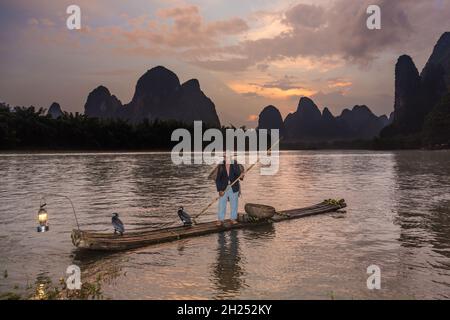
101,171
423,216
158,95
227,271
421,195
439,224
309,124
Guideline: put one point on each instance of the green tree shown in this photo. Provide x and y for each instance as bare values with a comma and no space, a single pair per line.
436,131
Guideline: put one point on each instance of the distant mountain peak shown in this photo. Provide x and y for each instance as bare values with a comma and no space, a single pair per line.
326,114
102,88
309,124
192,84
306,103
101,104
307,109
270,118
363,109
442,48
404,58
416,94
271,107
436,73
55,110
158,95
158,81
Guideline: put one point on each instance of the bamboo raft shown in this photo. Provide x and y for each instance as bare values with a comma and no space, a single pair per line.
88,240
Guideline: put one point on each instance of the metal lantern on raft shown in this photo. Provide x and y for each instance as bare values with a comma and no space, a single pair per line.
42,219
42,215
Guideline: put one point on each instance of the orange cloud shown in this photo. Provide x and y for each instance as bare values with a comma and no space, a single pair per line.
339,83
270,92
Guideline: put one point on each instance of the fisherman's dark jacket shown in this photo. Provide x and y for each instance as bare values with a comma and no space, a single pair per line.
223,180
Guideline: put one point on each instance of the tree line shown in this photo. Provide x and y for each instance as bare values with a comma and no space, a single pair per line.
434,133
29,128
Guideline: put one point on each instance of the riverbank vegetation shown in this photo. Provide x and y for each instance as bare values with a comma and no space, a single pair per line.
30,129
44,288
433,134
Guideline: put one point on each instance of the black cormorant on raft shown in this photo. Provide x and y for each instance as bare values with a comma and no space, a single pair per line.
117,224
88,240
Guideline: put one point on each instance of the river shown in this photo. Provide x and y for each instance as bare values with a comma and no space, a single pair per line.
398,218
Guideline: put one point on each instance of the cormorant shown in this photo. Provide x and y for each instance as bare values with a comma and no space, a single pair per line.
117,224
184,216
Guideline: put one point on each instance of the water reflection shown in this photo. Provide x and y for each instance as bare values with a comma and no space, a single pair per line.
265,232
439,223
101,172
423,213
228,270
42,286
422,199
99,266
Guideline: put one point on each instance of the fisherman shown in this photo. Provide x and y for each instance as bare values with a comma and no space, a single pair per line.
226,173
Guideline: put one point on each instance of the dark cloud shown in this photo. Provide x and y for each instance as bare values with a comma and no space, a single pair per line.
250,95
285,83
235,64
337,30
305,15
229,27
188,28
177,30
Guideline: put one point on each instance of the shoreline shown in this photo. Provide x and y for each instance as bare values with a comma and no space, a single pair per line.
146,151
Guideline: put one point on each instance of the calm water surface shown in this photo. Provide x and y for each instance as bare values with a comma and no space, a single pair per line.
398,218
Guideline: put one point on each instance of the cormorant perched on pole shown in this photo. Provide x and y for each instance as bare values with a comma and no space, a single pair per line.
117,224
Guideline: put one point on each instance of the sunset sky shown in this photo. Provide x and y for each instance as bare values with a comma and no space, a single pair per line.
247,54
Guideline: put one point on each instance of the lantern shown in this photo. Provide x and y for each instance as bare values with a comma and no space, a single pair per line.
42,219
43,215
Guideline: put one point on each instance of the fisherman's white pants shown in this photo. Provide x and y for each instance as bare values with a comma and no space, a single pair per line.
233,197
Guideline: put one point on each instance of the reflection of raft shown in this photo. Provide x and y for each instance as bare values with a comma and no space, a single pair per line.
134,239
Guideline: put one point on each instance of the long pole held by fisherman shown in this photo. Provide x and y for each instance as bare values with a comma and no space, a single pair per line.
230,185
